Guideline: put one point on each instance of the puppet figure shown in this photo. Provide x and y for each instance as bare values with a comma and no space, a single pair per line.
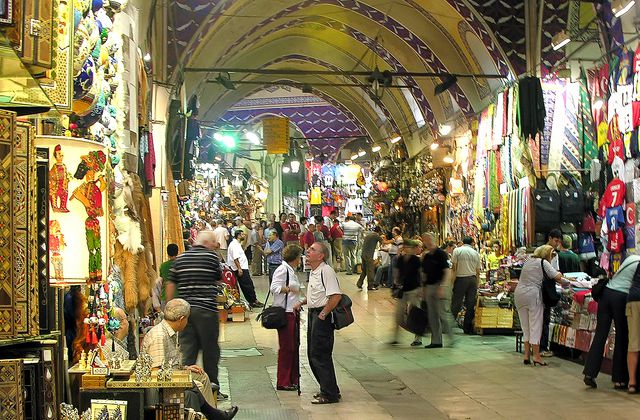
56,246
59,182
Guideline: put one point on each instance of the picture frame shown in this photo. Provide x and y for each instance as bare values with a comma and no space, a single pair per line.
6,12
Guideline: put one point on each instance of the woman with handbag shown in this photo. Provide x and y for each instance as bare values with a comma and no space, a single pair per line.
529,299
611,307
286,289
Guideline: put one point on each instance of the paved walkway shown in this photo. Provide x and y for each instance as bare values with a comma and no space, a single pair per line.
482,377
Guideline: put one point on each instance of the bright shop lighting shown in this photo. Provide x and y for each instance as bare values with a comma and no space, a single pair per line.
361,152
147,58
354,156
448,159
620,7
228,140
434,145
217,136
286,169
395,139
376,148
295,166
252,137
445,129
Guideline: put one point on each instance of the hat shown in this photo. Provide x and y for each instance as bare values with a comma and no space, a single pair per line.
237,218
95,160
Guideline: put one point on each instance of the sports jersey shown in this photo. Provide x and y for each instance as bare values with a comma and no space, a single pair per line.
316,196
636,89
630,214
613,196
603,129
618,169
615,241
616,145
630,237
615,218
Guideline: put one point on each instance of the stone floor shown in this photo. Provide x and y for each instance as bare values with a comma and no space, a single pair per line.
482,377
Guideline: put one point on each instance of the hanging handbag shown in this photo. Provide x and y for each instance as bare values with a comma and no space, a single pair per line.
274,317
547,208
341,315
572,202
550,296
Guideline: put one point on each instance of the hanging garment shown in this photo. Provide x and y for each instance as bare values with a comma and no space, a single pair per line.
532,110
599,89
557,133
550,92
614,138
585,123
572,147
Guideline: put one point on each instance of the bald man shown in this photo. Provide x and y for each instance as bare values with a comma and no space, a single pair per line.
196,274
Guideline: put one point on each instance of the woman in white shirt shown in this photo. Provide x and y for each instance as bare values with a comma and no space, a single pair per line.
285,287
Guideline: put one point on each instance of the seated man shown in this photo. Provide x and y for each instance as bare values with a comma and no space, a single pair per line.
161,343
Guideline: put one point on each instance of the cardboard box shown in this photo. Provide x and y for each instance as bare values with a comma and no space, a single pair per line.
237,314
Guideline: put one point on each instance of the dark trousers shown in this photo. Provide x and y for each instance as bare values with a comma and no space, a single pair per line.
546,320
194,399
465,289
202,333
368,271
246,285
319,351
288,357
611,307
392,265
272,269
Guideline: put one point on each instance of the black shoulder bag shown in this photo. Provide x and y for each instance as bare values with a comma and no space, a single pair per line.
274,317
550,296
342,315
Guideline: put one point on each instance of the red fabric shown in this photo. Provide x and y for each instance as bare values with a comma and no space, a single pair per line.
291,236
588,224
579,296
336,231
592,307
288,363
325,231
599,89
616,241
613,196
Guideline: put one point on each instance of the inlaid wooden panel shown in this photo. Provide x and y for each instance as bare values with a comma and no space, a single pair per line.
7,294
11,398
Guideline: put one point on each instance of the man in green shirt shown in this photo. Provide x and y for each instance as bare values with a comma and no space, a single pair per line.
172,252
568,261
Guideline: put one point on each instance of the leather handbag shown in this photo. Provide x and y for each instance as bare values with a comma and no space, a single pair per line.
341,315
274,317
550,296
547,208
572,202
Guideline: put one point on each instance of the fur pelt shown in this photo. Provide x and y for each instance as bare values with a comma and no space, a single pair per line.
79,344
128,264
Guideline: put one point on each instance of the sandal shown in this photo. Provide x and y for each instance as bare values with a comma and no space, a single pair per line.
632,389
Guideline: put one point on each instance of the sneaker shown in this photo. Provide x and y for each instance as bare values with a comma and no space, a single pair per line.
373,288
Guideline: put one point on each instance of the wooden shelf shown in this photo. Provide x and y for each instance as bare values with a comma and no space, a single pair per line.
44,339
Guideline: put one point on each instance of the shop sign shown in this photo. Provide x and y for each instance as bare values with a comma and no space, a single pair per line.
275,135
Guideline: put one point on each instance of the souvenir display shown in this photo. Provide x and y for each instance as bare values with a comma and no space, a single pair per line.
59,178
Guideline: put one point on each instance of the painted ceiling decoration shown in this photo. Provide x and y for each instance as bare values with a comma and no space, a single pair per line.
498,25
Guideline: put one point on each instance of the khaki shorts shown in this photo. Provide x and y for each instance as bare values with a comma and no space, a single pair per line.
633,319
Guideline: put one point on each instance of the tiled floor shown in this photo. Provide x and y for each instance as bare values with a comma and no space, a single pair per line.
482,377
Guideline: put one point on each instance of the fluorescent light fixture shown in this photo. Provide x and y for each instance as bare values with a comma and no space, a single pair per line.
252,137
217,136
434,145
354,156
228,140
361,152
295,166
598,104
147,58
559,40
286,169
376,148
448,159
217,158
445,129
620,7
395,139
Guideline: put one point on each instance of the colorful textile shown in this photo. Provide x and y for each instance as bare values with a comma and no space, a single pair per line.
585,123
572,147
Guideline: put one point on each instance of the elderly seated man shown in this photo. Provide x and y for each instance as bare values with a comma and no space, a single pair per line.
161,343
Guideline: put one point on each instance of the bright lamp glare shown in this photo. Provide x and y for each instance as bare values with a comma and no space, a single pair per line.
147,57
448,159
252,137
620,7
376,148
361,152
434,145
395,139
295,166
354,156
228,140
286,169
217,136
445,129
598,104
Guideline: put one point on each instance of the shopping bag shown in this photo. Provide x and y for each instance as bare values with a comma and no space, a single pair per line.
417,320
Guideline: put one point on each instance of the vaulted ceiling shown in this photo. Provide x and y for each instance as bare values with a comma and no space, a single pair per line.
456,36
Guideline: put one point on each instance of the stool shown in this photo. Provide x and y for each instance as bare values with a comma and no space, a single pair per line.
519,335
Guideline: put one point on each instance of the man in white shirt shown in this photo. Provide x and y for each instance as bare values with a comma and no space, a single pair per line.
352,231
323,294
221,235
466,269
238,262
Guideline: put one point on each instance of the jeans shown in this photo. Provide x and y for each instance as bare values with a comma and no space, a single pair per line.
320,352
394,259
611,307
439,317
202,333
272,269
381,272
349,248
465,289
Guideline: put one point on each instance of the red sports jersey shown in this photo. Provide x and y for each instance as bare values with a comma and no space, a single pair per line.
616,144
613,196
616,241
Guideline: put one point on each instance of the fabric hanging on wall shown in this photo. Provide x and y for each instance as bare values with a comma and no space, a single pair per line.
586,130
599,90
572,147
497,122
557,133
532,110
550,92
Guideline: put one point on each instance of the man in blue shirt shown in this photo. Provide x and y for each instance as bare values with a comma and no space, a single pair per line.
273,251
